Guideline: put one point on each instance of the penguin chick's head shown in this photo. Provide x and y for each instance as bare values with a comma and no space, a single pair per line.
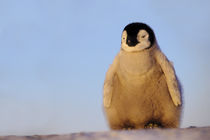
137,37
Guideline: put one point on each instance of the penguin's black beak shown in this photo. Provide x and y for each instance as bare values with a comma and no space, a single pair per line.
131,41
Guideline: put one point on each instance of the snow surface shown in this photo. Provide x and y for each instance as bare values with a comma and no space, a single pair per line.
157,134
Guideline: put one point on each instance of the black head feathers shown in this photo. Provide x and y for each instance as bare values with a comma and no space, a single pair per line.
132,30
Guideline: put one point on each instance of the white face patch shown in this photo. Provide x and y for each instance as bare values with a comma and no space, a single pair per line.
143,39
124,37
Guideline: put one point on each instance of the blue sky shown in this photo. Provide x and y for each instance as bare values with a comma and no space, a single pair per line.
54,55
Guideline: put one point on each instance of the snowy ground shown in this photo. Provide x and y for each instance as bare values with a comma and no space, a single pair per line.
157,134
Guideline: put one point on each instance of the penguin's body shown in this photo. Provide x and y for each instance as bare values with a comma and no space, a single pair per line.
141,89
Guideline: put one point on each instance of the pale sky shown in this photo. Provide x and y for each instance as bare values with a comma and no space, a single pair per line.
54,55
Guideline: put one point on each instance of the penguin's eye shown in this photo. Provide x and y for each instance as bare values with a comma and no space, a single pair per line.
142,35
124,36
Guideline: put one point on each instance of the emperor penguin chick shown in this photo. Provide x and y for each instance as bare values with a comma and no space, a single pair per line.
141,89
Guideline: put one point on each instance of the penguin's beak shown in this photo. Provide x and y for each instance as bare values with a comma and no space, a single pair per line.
131,42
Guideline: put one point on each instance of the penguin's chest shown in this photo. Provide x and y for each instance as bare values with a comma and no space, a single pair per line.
138,71
136,63
139,81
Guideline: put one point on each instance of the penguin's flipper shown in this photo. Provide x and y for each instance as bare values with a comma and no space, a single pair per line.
172,81
109,83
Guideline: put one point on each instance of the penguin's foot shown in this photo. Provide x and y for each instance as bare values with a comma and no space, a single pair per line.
152,125
128,128
127,125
